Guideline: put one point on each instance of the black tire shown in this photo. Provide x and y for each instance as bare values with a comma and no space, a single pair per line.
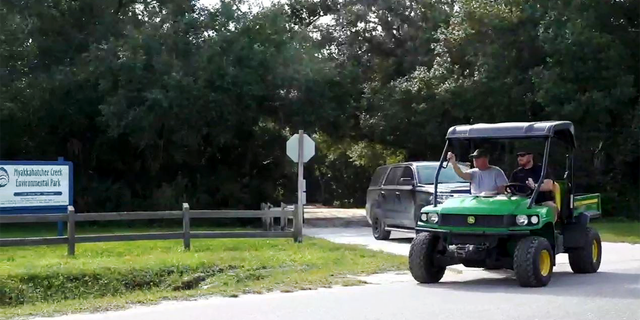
421,259
533,262
378,229
588,258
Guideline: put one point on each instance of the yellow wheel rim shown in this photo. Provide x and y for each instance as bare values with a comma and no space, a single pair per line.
594,251
545,263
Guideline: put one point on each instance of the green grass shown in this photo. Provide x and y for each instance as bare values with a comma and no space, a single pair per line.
106,276
618,230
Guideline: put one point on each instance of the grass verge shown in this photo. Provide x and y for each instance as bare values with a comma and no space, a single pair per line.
618,230
107,276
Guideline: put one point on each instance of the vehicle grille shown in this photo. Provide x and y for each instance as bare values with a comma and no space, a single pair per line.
460,220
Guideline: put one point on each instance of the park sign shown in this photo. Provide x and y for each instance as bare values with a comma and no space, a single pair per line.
35,186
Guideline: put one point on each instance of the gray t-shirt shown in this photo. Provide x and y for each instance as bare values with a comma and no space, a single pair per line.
487,180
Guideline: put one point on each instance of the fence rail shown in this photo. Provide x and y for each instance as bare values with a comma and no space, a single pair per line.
186,234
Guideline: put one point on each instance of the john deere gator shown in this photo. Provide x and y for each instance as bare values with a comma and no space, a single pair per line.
509,231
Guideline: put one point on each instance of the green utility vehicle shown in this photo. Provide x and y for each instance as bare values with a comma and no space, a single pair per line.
509,231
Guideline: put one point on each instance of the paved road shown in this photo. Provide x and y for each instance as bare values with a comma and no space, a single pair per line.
613,293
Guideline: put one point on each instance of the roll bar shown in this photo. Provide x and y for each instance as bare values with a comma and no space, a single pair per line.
545,163
435,180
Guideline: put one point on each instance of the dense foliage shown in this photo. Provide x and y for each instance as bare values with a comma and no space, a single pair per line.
160,102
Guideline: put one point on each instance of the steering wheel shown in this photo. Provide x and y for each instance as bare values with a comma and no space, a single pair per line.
512,188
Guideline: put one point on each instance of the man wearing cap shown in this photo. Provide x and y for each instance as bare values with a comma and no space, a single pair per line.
529,174
484,177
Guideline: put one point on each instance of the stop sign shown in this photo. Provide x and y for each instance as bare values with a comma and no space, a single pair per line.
308,147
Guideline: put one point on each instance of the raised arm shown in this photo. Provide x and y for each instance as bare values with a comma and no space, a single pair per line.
452,159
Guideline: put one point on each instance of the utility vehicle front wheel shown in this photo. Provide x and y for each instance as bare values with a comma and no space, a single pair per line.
422,259
587,259
533,262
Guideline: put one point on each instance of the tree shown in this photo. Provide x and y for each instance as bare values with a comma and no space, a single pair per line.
161,102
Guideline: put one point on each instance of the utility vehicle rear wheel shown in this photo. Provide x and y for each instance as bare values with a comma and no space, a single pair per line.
422,258
587,259
533,262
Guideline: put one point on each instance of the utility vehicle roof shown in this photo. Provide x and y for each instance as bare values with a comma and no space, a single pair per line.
563,130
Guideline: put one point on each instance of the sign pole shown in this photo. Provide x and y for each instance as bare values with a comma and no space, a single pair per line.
300,151
61,223
300,212
60,228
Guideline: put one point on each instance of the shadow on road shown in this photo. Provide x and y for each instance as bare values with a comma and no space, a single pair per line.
401,240
610,285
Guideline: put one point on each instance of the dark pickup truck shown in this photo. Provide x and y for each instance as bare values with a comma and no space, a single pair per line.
398,192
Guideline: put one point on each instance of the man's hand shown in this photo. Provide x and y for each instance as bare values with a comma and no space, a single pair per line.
508,190
547,185
452,159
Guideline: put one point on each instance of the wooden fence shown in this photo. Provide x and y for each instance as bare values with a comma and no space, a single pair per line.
71,217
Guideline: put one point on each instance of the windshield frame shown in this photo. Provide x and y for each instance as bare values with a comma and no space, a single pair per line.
545,161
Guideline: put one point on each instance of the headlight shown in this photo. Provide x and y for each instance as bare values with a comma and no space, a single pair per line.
534,219
433,218
423,217
521,220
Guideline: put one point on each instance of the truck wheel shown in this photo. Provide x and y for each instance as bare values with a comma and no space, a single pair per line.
378,230
422,258
587,259
533,262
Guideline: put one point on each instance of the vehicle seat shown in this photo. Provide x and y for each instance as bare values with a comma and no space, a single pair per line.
561,194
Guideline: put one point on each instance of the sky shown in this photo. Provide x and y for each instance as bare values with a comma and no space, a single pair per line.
215,2
258,4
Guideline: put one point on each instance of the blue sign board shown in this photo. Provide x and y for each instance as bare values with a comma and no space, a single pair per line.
35,187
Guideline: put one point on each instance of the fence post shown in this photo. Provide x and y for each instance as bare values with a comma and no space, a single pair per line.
283,218
272,220
265,222
186,227
71,230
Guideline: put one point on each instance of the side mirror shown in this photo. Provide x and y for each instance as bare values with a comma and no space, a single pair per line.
406,181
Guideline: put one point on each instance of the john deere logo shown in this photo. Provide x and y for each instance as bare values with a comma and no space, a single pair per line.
471,219
4,177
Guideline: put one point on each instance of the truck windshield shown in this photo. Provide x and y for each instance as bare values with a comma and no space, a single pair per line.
427,174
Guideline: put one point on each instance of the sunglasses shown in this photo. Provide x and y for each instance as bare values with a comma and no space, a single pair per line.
522,154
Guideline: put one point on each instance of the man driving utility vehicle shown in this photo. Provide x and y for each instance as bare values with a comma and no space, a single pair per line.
528,174
484,177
